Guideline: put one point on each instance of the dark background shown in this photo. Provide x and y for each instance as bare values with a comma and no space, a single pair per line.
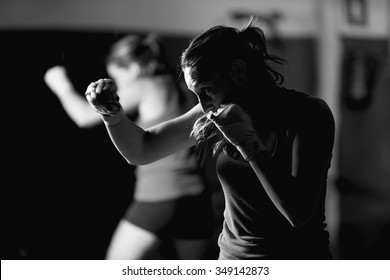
64,189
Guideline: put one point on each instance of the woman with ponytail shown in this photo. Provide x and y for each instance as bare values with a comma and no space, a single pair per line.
273,145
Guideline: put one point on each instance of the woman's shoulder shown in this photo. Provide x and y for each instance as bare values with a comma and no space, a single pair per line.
305,107
301,100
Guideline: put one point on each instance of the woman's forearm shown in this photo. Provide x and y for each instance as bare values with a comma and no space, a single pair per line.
127,137
75,105
139,146
78,110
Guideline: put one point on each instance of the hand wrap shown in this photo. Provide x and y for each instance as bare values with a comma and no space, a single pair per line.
102,96
236,126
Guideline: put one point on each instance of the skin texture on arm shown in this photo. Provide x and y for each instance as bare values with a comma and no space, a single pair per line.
139,146
296,194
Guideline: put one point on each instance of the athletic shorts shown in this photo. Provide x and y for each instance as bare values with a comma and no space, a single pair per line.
189,217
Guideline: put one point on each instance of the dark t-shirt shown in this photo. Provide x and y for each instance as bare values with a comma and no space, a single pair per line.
253,227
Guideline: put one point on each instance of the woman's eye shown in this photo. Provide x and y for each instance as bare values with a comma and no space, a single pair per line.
208,91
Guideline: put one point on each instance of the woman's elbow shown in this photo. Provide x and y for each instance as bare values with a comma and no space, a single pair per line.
134,158
297,223
301,219
84,123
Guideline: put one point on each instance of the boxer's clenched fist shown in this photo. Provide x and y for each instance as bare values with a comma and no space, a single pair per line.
103,97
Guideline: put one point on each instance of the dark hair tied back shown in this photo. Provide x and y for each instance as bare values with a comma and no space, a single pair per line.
254,38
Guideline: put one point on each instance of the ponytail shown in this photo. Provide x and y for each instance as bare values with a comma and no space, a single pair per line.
254,38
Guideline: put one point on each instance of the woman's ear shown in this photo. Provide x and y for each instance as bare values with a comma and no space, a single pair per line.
134,70
238,72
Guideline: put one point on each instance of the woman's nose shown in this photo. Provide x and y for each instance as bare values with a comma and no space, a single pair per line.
207,106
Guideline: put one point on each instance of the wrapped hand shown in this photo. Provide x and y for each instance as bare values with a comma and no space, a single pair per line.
102,96
236,126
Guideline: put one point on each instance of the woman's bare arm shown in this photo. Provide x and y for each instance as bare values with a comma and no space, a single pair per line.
139,146
74,104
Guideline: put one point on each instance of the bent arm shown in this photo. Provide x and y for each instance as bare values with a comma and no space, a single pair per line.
296,194
75,105
139,146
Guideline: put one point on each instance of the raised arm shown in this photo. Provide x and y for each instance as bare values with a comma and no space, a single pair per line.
136,145
74,104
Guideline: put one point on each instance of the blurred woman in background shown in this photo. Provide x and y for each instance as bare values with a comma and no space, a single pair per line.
171,207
